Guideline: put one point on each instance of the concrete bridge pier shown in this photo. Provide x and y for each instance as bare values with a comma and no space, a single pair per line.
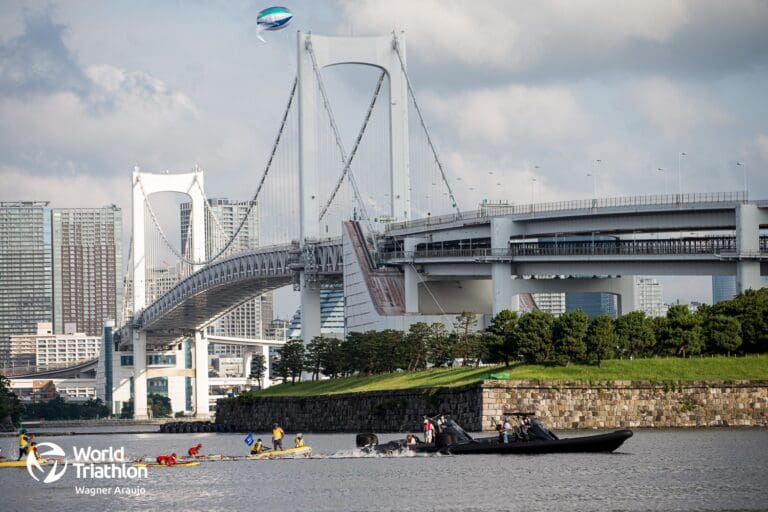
139,375
411,277
748,217
202,409
504,295
310,309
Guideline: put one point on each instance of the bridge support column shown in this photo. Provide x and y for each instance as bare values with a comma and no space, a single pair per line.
310,310
139,375
411,275
501,273
202,409
747,245
266,380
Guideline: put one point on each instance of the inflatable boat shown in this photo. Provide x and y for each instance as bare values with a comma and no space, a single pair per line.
528,437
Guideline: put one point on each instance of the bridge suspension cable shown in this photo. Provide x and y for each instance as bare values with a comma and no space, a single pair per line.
345,161
207,207
396,45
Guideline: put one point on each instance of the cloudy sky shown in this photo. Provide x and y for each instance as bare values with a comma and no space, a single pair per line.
522,89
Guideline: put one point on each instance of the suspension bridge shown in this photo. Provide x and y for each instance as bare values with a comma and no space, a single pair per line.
381,216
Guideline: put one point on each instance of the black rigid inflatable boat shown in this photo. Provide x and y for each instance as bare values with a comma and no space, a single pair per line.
529,437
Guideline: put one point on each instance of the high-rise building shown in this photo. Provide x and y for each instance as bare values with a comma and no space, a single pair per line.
26,270
87,287
723,288
550,302
331,312
649,297
223,216
592,304
60,266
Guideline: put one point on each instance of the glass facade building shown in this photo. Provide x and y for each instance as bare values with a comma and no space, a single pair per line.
251,319
26,270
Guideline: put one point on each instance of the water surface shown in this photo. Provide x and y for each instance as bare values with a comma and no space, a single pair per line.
674,470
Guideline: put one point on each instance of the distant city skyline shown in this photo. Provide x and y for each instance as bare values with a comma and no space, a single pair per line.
639,96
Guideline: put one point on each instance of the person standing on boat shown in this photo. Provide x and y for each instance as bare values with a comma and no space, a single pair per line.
429,431
23,443
277,437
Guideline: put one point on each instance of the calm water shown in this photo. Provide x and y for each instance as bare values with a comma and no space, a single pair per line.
655,470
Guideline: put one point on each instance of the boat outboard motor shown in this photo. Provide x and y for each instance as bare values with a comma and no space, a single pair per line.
363,440
537,430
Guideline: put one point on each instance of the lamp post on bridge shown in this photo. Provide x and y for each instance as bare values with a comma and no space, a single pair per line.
744,172
594,184
533,190
679,165
666,188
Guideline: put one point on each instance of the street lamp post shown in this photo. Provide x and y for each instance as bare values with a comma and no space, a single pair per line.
594,184
666,189
679,165
533,190
744,172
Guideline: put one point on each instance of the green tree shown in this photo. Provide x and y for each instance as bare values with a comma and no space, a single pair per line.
569,333
292,360
601,339
9,405
535,331
467,342
722,333
660,327
635,332
507,346
416,346
751,309
314,355
440,345
259,369
332,359
159,405
684,331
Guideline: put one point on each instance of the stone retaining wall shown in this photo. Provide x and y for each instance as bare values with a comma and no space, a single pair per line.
561,405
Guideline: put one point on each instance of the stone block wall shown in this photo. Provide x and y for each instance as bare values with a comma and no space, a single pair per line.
380,411
629,404
560,405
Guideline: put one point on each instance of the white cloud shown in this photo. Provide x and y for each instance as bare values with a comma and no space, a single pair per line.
498,116
674,110
524,33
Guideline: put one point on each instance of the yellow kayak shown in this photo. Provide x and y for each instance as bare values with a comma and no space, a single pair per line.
156,465
19,463
304,451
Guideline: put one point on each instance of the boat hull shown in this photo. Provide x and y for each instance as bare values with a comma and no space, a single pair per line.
600,443
304,451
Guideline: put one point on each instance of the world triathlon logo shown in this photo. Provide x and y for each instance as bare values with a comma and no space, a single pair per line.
55,455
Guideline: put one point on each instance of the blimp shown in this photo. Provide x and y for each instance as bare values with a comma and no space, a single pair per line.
272,18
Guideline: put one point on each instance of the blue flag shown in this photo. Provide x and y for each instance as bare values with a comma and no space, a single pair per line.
248,439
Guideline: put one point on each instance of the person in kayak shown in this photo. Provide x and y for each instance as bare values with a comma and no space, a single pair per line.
277,437
299,441
194,452
257,447
23,443
166,460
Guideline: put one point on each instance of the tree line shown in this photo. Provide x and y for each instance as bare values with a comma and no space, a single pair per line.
739,325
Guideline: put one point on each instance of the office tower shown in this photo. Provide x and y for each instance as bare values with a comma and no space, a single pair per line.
26,270
223,217
723,288
649,297
592,304
331,312
550,302
87,287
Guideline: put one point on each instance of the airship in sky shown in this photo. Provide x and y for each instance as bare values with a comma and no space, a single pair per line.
272,18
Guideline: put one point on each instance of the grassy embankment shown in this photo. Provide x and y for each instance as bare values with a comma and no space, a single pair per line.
657,369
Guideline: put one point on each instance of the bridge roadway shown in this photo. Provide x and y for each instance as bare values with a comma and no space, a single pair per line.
524,239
